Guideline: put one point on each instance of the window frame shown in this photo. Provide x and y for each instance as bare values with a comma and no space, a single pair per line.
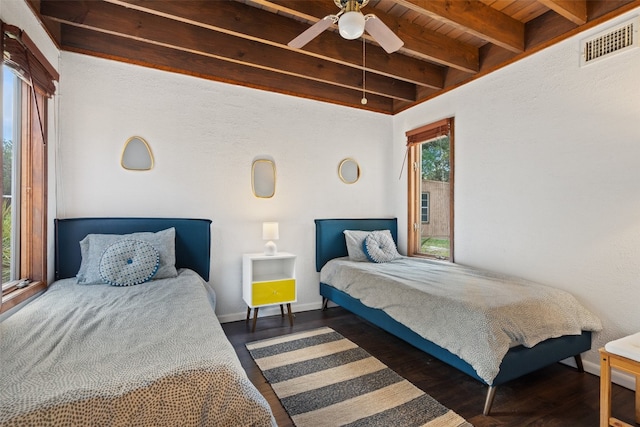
415,138
36,81
33,201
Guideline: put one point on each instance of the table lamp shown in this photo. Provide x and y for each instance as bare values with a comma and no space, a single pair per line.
270,233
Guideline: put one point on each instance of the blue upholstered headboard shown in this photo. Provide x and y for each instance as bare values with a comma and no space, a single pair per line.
330,241
193,240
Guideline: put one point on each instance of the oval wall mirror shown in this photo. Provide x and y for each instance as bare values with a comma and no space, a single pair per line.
349,171
136,155
263,178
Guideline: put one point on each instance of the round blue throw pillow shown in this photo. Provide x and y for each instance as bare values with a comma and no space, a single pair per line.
129,262
380,247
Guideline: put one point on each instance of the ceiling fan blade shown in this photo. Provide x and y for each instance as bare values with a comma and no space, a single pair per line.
313,31
382,34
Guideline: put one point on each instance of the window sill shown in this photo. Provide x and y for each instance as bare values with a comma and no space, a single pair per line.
17,296
435,258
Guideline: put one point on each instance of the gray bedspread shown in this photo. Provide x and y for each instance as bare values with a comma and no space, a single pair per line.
147,355
475,314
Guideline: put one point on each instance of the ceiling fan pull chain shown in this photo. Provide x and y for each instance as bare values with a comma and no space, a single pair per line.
364,90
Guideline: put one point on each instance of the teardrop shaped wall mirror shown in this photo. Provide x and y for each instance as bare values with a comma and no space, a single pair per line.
136,155
349,171
263,178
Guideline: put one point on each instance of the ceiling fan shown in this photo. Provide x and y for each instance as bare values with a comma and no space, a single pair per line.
351,24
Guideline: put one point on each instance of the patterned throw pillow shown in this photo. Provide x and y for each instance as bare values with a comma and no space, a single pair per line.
380,247
129,262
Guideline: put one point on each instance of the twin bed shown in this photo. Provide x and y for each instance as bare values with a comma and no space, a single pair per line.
152,354
155,353
493,327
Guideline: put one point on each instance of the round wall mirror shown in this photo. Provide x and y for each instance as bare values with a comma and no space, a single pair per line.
263,178
136,155
349,171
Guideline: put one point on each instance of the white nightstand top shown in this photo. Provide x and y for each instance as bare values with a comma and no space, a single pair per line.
261,255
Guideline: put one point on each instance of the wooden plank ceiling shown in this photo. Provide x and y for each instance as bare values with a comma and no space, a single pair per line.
446,42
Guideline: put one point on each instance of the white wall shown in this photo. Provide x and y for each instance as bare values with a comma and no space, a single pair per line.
547,176
204,136
16,12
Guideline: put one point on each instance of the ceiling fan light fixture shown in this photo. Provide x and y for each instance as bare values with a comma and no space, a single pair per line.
351,25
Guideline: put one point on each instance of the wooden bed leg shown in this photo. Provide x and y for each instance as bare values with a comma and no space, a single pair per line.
248,313
325,301
491,392
579,365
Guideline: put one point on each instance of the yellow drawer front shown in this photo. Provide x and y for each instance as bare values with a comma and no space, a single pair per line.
274,292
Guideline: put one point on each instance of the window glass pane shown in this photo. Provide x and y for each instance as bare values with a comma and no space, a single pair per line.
434,172
10,184
424,208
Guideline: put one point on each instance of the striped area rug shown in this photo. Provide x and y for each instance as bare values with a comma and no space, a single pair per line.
323,379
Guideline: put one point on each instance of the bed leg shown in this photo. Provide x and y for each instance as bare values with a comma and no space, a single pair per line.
491,392
579,365
325,301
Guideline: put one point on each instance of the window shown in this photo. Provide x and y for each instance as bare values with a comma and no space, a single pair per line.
10,177
430,180
27,82
424,208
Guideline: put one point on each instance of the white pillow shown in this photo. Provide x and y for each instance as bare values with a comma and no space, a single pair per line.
354,240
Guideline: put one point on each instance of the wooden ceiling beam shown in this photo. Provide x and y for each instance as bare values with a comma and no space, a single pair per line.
260,25
244,42
418,41
599,9
112,19
574,10
474,17
122,49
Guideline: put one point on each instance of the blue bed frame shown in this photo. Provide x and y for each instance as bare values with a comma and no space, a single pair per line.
518,361
193,240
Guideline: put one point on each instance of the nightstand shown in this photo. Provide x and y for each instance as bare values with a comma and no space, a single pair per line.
268,280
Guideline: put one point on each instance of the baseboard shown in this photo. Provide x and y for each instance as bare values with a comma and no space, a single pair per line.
269,311
617,377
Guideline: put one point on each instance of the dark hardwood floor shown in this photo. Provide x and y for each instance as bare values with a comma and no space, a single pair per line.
554,396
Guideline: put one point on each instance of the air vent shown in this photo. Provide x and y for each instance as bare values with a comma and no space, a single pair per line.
610,42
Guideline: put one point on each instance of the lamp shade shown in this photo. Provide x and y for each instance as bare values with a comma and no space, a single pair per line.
351,25
270,231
